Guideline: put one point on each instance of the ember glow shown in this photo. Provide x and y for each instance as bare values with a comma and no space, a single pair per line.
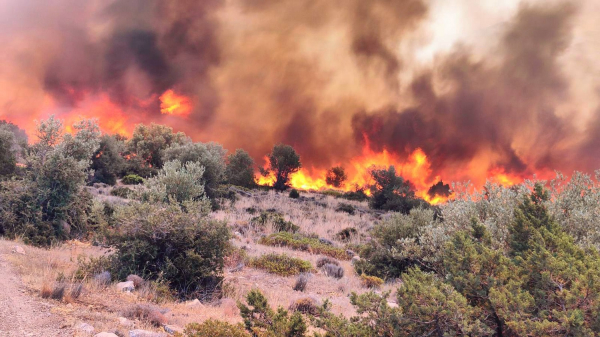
443,90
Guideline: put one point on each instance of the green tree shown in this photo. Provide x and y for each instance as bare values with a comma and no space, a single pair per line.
148,143
262,321
391,192
107,161
8,159
336,176
283,161
175,181
240,169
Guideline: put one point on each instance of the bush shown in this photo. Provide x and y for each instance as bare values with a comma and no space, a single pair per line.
146,313
335,176
346,208
175,181
276,220
357,195
305,305
261,320
240,169
132,179
215,328
305,243
121,192
301,282
333,270
148,143
175,243
283,161
346,234
107,161
326,260
8,158
294,194
370,281
280,264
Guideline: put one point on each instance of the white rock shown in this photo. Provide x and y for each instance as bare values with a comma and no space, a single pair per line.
145,333
85,328
194,303
105,334
126,286
125,322
18,250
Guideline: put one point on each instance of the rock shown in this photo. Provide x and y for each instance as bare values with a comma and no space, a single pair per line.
125,322
325,241
194,303
126,286
105,334
103,278
350,253
145,333
137,281
237,268
172,329
85,328
355,259
18,250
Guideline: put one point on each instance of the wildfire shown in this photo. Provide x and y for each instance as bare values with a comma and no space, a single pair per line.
174,104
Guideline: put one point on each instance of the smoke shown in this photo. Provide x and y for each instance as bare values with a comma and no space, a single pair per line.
327,77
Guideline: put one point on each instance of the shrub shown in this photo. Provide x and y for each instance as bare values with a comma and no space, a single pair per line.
148,143
358,194
107,161
305,243
370,281
305,305
333,270
261,320
177,181
283,161
346,208
326,260
146,313
280,264
8,158
121,192
276,220
301,282
214,328
132,179
346,234
294,194
240,169
175,243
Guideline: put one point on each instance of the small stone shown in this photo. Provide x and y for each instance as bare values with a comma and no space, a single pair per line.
85,328
194,303
18,250
172,329
126,286
350,253
145,333
355,259
105,334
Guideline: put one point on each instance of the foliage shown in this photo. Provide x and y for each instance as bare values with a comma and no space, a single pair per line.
148,142
280,264
215,328
370,281
302,242
8,158
283,161
176,182
346,234
276,220
262,321
240,169
346,208
294,194
301,282
211,156
358,194
392,193
333,270
174,242
326,260
121,192
336,176
132,179
107,161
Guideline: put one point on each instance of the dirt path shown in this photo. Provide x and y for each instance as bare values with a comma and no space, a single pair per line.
22,314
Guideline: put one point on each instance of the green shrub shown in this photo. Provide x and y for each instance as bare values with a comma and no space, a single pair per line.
346,234
240,169
392,193
332,193
261,320
346,208
176,243
280,264
336,176
305,243
132,179
358,195
370,281
276,220
294,194
214,328
121,192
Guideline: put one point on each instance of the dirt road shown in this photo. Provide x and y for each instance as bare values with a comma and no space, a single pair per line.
22,314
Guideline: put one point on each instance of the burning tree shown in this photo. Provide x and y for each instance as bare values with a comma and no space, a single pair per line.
283,161
336,176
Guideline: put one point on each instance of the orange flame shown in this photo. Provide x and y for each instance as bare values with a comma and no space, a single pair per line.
174,104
